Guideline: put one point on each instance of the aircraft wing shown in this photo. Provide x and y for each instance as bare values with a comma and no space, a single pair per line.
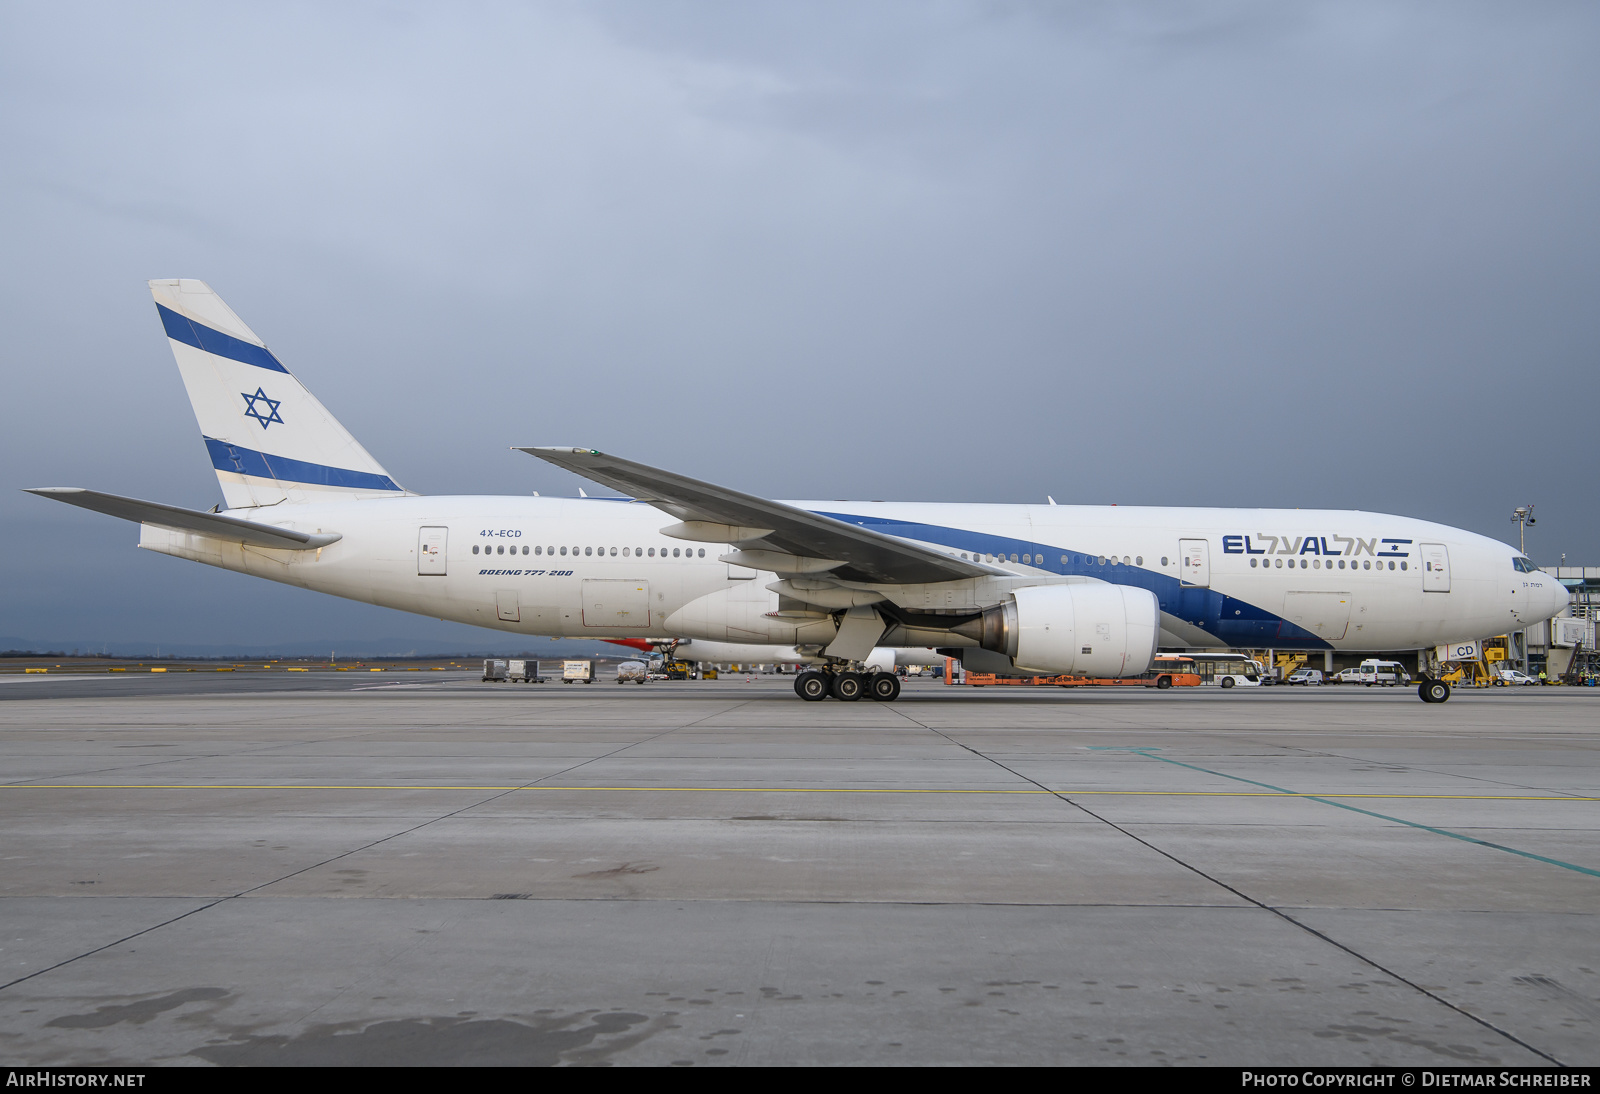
760,525
189,520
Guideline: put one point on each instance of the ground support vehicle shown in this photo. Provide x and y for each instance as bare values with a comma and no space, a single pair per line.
582,672
1306,677
1506,678
1386,674
632,672
985,679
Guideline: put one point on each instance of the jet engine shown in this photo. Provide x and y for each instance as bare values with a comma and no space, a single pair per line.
1087,629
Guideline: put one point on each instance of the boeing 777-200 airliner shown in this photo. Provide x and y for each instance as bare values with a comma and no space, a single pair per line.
1048,589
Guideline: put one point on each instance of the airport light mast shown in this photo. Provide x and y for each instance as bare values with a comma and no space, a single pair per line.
1522,517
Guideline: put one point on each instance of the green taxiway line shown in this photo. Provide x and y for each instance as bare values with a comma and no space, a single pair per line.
1326,799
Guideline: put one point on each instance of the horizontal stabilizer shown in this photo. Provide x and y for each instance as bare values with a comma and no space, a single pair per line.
188,520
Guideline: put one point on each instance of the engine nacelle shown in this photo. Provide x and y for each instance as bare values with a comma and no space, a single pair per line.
1088,629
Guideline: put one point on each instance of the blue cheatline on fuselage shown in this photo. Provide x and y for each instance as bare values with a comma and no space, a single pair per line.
200,336
248,461
1231,621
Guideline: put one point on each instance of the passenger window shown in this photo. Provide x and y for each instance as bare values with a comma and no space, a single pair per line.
702,552
474,548
1138,560
1252,564
675,552
652,552
613,552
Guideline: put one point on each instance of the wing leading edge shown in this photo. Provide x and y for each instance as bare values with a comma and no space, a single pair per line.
759,526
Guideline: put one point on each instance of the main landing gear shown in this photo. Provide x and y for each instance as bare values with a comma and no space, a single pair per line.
1433,691
815,685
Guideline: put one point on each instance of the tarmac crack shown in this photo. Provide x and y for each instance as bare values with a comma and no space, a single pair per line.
1242,895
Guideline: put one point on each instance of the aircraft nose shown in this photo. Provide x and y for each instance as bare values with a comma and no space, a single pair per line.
1556,597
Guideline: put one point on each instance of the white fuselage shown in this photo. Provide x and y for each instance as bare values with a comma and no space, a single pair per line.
600,568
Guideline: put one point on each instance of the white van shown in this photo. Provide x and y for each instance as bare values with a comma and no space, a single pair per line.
1385,673
1506,678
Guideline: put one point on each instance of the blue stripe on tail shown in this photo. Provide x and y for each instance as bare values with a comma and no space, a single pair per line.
248,461
183,329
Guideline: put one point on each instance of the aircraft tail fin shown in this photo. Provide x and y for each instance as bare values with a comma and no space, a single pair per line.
269,438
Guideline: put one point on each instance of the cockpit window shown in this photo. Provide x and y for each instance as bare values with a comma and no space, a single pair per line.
1524,565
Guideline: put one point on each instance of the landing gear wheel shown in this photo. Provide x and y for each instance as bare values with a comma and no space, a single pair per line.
847,686
1227,681
883,686
811,686
1433,691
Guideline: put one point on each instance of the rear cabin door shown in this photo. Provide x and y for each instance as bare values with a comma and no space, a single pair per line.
1435,567
1194,563
431,550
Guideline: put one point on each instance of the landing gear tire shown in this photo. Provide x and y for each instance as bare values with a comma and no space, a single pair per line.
1433,691
811,686
847,686
883,686
1227,681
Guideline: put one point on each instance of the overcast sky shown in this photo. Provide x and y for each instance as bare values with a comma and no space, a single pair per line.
1262,254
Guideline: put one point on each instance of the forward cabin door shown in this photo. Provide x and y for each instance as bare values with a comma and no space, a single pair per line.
431,550
1435,567
1194,563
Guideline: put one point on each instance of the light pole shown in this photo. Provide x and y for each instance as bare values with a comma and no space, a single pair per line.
1522,517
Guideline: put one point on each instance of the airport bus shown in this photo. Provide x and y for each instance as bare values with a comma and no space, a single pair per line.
1170,670
1228,670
